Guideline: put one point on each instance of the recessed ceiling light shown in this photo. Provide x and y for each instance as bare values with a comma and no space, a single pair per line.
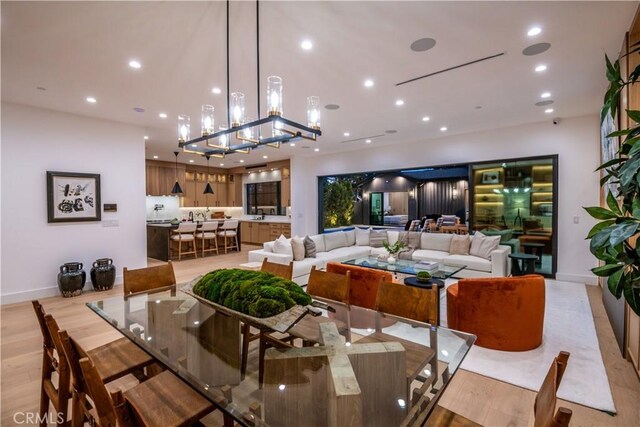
135,64
216,90
545,95
332,106
155,157
293,144
540,68
426,119
443,129
191,161
534,31
146,137
399,102
221,164
265,157
316,149
368,141
306,44
162,115
346,134
241,161
548,110
368,83
91,100
422,45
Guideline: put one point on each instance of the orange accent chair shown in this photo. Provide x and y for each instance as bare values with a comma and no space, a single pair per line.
505,313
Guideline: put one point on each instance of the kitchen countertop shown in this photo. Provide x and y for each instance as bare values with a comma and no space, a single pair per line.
269,218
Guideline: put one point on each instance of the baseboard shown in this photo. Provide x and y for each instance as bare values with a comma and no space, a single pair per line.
40,293
588,279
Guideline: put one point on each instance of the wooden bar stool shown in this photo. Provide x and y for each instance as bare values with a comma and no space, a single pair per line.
207,233
185,233
229,230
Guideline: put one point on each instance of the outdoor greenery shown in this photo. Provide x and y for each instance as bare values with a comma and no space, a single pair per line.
255,293
613,238
338,201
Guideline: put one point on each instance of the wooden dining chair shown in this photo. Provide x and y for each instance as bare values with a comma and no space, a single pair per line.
544,409
410,303
328,287
163,400
149,279
281,270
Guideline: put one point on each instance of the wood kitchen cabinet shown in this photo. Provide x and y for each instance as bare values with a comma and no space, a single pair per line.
260,232
160,178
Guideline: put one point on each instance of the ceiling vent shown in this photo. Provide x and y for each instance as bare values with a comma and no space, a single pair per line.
455,67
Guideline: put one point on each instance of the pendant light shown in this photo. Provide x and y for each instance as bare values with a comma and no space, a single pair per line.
176,187
208,189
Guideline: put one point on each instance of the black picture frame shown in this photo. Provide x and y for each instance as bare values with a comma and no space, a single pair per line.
73,197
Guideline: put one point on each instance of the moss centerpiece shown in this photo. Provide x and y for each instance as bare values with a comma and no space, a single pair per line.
254,293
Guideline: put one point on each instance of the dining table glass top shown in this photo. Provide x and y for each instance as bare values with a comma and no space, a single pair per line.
405,266
365,369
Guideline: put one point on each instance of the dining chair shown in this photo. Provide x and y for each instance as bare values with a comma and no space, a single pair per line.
207,234
415,304
147,403
114,360
331,288
229,230
281,270
544,409
185,233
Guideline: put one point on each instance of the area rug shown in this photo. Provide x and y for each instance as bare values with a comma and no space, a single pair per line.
568,326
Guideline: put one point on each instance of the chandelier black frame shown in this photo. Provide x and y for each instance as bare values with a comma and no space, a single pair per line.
295,130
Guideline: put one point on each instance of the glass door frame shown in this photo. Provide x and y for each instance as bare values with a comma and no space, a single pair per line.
554,218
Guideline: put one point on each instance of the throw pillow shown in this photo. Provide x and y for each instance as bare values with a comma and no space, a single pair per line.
334,240
351,237
377,238
318,239
460,244
362,236
282,246
413,240
482,246
476,242
297,245
309,248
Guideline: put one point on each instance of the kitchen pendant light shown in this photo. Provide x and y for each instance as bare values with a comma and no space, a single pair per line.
176,187
208,189
242,135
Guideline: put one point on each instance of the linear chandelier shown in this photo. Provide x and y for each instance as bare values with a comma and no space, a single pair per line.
245,134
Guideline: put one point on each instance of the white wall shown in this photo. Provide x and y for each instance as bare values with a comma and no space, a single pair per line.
575,140
35,141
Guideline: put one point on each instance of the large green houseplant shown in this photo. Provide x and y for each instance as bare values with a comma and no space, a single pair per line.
613,237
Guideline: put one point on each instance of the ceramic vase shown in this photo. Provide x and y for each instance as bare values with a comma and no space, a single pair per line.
103,274
71,279
391,260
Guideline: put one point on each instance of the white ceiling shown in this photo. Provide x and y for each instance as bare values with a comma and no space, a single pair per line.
80,49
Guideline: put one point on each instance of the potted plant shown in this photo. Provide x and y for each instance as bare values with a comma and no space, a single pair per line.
423,276
393,250
613,238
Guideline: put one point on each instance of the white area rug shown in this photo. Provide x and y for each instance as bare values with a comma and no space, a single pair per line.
568,326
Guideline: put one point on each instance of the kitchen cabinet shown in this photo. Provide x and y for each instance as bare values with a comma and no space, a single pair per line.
260,232
160,179
285,188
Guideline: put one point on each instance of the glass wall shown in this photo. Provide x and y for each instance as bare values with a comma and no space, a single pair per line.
516,199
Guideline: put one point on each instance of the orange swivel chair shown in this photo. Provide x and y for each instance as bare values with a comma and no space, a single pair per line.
505,313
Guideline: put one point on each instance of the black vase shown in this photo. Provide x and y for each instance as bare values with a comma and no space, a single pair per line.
103,274
71,279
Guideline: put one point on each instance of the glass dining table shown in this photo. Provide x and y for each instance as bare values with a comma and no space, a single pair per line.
389,371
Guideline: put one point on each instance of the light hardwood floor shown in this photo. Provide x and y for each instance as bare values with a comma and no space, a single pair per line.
481,399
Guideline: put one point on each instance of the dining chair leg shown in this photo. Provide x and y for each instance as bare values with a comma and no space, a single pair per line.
246,329
263,349
44,397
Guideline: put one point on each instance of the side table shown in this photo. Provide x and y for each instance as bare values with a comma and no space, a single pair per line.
523,264
534,249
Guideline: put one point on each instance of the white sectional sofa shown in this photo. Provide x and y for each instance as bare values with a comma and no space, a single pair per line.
341,246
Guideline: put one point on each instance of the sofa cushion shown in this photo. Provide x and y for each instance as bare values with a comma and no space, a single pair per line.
343,254
362,236
429,255
460,244
377,238
411,239
300,268
351,237
334,240
472,262
309,247
297,245
436,241
482,246
318,239
282,246
378,252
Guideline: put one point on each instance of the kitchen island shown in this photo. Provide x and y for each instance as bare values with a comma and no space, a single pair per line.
158,239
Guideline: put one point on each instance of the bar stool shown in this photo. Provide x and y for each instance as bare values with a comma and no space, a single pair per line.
185,233
208,233
229,229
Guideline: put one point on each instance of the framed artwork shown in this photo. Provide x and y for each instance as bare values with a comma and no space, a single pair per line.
610,147
73,197
492,177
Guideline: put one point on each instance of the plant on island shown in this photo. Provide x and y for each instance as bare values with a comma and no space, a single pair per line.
254,293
